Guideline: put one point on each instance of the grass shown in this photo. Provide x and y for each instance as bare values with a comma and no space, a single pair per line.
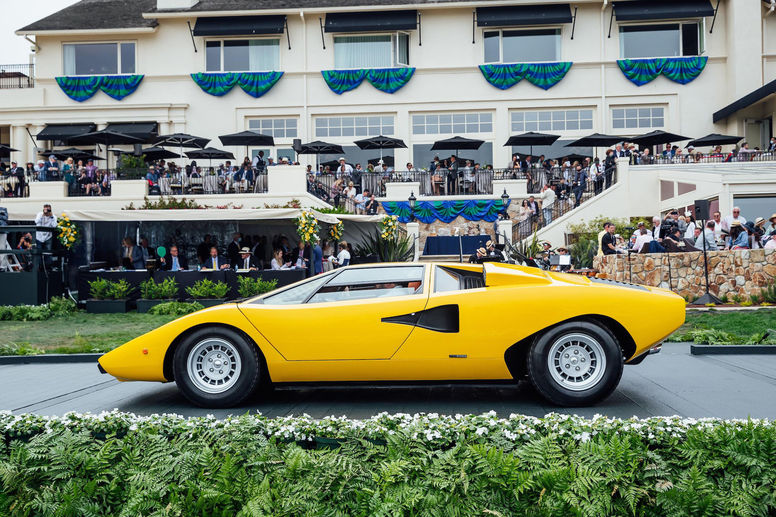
728,327
75,333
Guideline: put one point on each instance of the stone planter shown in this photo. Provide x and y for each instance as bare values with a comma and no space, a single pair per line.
107,306
207,302
144,305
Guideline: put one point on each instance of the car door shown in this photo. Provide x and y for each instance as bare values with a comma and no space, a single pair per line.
345,315
461,340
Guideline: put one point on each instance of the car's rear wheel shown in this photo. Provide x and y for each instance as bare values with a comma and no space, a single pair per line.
216,367
575,363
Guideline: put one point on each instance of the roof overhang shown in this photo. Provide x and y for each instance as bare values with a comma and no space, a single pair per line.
348,22
638,10
523,15
745,101
239,25
89,32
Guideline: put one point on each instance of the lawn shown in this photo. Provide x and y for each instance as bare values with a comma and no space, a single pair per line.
76,333
728,327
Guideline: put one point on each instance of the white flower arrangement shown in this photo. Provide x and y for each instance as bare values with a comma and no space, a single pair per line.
431,428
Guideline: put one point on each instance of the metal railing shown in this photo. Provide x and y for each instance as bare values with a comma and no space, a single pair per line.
17,76
568,197
202,182
696,158
14,186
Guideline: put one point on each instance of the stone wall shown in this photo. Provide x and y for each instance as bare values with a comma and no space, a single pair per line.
742,272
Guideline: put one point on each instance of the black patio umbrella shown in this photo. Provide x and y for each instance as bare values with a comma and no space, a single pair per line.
715,139
106,137
531,139
75,154
573,157
6,151
181,140
380,142
317,148
210,153
455,144
657,137
247,138
595,140
155,153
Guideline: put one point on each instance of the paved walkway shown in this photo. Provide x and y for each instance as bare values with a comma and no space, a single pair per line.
673,382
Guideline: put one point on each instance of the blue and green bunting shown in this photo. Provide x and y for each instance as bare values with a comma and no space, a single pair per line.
254,84
388,80
447,211
83,88
543,75
681,70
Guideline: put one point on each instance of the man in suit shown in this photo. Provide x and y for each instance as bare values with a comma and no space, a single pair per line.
317,259
246,261
214,261
174,262
452,174
233,250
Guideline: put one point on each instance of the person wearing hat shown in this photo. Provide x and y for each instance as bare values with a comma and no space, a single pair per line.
246,261
343,169
739,238
478,255
771,228
494,254
757,231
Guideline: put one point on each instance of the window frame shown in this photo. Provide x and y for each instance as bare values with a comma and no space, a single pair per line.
240,38
334,274
638,107
354,116
394,47
420,138
118,44
558,51
700,22
565,110
283,138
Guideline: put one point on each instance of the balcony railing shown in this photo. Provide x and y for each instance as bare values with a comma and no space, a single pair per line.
696,158
17,76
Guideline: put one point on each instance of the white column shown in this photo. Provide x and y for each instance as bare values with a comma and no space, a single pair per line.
505,231
286,179
413,232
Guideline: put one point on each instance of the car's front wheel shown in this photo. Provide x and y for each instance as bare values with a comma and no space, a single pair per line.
216,367
575,364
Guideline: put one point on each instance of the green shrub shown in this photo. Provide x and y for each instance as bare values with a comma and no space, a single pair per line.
164,290
119,290
20,349
736,298
98,288
119,464
724,298
175,308
58,306
208,289
400,249
62,305
768,293
249,287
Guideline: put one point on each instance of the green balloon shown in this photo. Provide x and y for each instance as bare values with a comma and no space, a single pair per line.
161,251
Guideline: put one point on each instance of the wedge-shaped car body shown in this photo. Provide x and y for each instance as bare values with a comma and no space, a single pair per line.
385,323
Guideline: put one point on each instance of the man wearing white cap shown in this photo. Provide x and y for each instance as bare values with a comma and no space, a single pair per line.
343,169
247,260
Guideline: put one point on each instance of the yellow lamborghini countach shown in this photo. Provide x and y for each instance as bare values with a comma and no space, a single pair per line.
387,323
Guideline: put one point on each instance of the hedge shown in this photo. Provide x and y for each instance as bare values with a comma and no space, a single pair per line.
121,464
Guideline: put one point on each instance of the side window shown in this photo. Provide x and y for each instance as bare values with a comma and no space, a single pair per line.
451,279
382,282
296,294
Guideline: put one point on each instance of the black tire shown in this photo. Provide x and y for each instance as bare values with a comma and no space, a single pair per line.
238,356
585,342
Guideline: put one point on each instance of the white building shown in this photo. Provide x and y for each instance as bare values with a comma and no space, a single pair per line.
445,41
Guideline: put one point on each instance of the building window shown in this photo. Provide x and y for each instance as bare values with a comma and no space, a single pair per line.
368,125
276,127
98,58
242,55
523,46
374,51
556,120
661,40
452,123
638,118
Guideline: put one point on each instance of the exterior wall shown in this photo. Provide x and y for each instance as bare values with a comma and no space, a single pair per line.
447,79
739,272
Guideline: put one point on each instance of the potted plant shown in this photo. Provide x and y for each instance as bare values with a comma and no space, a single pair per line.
207,292
153,293
248,287
107,297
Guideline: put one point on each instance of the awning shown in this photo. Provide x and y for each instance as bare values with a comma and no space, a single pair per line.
239,25
745,101
635,10
145,130
514,16
372,21
65,131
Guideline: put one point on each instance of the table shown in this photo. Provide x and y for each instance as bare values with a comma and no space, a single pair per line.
452,245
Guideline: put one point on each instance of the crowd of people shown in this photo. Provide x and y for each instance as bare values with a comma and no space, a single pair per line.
682,233
243,252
